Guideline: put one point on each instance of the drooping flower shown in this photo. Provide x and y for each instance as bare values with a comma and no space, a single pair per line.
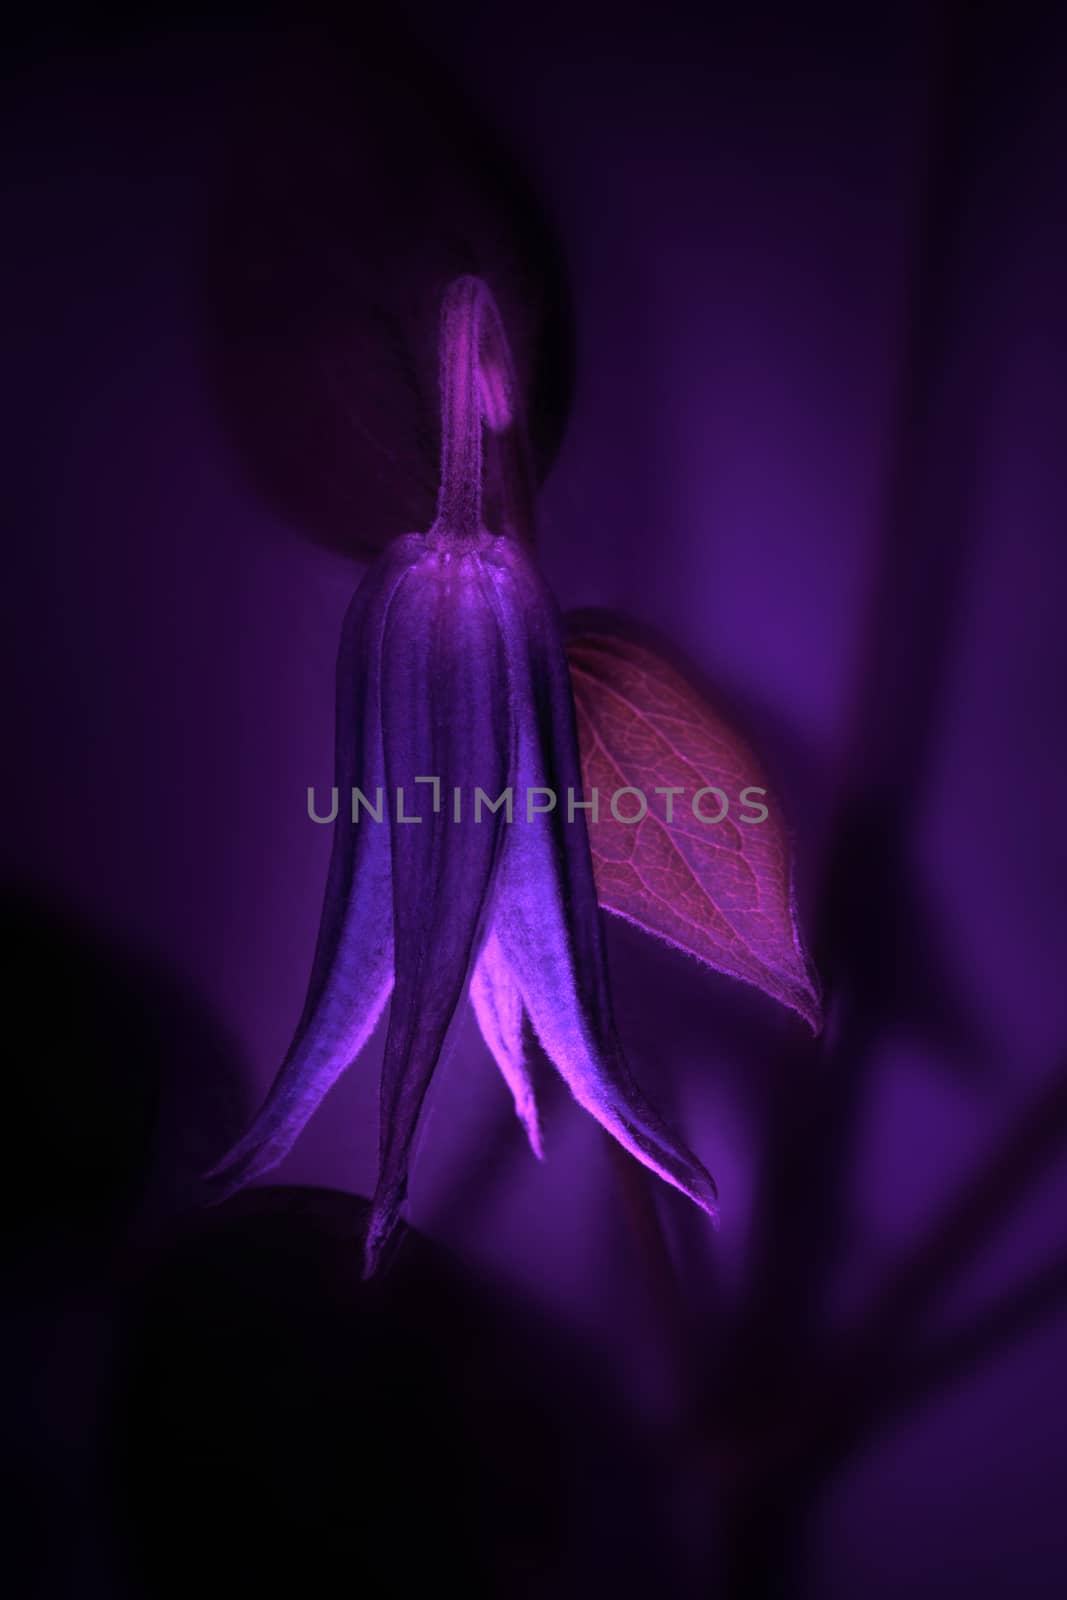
452,671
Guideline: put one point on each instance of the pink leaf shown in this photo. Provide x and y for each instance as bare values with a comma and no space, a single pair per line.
719,890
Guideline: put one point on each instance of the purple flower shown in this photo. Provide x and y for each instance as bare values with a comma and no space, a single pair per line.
452,668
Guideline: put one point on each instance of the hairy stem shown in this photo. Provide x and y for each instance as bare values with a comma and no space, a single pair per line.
479,392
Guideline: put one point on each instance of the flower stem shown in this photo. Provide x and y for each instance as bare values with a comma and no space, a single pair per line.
479,391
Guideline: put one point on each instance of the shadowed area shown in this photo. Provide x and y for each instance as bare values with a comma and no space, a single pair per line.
357,183
280,1421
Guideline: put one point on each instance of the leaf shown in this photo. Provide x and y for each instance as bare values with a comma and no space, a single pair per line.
721,891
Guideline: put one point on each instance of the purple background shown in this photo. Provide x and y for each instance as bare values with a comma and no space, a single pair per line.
817,269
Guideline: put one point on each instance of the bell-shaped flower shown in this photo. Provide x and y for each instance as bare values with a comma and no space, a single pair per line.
469,868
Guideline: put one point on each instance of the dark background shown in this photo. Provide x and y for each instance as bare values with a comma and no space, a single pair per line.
786,287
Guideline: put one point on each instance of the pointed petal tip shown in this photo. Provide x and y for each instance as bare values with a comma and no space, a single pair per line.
498,1009
526,1111
226,1168
373,1245
706,1197
701,1188
240,1166
221,1180
381,1235
215,1189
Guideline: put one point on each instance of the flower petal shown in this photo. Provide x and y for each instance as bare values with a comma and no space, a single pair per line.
352,971
499,1010
445,714
547,920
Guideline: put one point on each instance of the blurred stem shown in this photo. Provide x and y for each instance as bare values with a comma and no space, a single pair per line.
662,1285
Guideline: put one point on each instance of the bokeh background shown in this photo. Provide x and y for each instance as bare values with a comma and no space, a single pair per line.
786,286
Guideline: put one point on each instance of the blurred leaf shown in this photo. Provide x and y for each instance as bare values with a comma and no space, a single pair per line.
358,182
721,891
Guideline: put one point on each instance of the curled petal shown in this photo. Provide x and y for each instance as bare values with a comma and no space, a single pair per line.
351,973
445,714
499,1010
547,920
